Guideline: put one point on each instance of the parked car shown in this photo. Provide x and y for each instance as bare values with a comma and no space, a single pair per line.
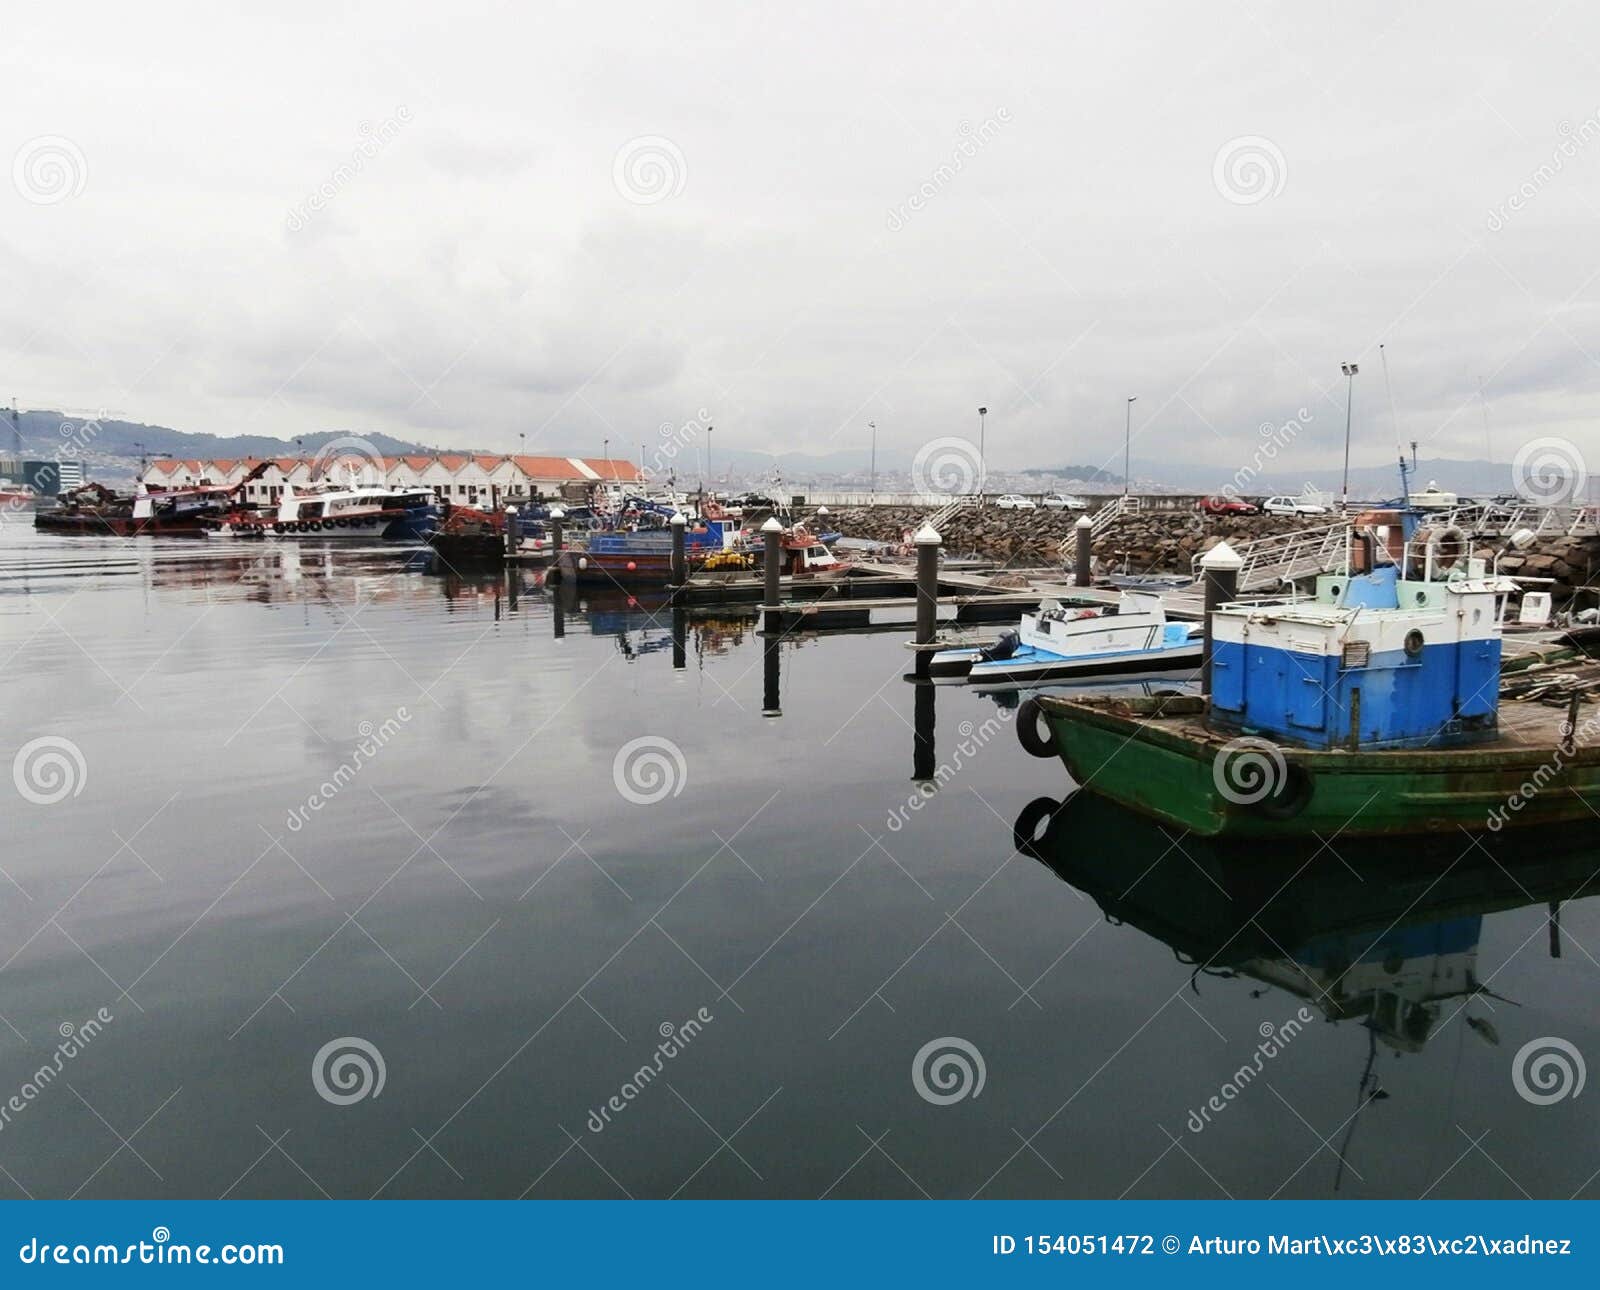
1219,505
1063,502
1014,502
1293,506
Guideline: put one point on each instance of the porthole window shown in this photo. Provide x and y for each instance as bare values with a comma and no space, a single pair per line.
1413,643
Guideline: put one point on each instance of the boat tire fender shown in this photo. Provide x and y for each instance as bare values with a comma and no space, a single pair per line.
1033,733
1028,834
278,527
1292,798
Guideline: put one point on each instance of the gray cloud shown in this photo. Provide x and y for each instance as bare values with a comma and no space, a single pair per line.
481,273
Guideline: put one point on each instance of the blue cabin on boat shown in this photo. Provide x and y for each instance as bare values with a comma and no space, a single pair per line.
1374,661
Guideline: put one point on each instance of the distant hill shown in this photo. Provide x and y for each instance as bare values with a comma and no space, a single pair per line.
1473,478
42,434
1087,474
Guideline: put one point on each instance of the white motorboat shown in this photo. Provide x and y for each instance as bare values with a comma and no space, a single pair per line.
1129,640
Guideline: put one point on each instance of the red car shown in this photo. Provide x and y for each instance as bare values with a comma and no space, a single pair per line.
1219,505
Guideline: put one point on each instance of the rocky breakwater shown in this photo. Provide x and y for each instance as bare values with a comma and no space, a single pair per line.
1155,541
1141,542
1571,563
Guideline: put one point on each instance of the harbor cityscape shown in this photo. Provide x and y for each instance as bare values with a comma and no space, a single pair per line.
595,616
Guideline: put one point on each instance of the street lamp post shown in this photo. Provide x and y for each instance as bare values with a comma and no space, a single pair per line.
1350,370
1127,444
873,426
983,468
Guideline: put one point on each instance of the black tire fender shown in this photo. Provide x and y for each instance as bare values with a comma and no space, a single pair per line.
1293,797
1033,733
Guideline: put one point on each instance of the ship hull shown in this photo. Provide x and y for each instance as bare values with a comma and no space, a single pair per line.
1173,769
117,525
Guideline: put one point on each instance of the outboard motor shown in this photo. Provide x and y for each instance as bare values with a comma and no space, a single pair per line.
1002,649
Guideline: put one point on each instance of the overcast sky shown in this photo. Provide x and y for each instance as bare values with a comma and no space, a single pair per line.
458,222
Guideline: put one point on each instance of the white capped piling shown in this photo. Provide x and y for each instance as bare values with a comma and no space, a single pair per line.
927,542
1083,530
513,532
1219,568
557,522
772,536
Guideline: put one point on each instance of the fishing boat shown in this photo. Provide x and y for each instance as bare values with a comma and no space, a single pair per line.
1374,709
805,555
1129,640
357,511
633,558
95,510
15,495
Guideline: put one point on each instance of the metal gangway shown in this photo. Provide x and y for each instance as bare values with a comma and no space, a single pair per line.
945,513
1269,561
1099,522
1502,519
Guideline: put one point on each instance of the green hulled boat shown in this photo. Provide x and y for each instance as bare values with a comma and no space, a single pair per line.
1159,757
1379,706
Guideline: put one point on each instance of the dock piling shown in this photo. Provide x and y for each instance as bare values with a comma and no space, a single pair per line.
680,559
928,542
1084,531
771,705
1220,568
513,531
557,523
772,537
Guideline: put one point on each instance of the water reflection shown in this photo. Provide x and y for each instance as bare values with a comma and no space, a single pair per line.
1381,935
1385,935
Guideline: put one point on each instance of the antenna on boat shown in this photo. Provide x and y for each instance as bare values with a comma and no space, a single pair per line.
1388,387
1483,405
16,431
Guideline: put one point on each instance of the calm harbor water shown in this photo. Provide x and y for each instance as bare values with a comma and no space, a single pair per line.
534,862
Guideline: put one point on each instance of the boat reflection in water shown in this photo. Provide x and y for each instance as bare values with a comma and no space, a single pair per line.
1383,935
